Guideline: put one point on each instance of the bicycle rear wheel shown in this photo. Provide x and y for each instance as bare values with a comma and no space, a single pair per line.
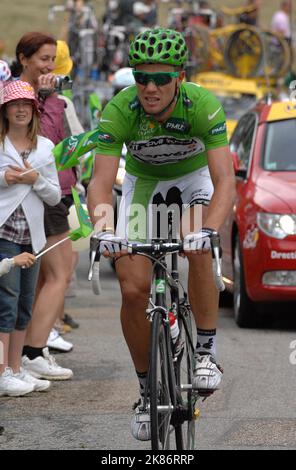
185,417
162,387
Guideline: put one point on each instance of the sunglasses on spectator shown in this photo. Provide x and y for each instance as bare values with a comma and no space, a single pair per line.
159,78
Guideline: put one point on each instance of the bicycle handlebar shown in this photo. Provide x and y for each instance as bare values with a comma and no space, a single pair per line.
154,248
94,267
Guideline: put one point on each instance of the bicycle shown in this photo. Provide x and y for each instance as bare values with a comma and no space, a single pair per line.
169,395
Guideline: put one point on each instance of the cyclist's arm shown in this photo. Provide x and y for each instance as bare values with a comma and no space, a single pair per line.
99,194
222,174
112,127
211,118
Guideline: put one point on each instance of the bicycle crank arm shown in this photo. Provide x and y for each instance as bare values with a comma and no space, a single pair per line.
185,387
163,408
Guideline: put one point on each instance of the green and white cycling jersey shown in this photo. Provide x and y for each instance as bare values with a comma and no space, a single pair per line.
167,150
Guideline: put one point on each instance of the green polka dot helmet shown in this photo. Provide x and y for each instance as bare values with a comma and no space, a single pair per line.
158,46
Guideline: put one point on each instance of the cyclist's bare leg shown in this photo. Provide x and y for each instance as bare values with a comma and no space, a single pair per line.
204,300
134,275
203,295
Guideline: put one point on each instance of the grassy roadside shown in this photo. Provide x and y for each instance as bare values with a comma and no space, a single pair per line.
20,16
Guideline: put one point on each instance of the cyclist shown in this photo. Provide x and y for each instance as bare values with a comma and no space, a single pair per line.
177,149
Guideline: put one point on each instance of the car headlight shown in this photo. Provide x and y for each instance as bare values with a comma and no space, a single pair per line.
277,225
279,278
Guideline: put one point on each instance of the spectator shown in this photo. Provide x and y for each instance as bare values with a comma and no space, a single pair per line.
280,21
63,61
22,194
80,16
251,15
63,66
125,12
35,63
5,72
140,12
151,16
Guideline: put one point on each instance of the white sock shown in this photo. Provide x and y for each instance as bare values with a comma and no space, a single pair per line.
206,342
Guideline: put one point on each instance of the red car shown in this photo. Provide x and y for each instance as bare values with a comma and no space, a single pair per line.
259,236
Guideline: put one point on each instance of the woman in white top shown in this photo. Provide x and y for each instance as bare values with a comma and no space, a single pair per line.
22,194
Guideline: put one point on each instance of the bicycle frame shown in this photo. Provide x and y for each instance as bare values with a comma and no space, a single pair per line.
171,415
161,384
169,412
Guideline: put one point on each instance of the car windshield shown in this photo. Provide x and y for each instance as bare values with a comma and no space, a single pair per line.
279,152
236,106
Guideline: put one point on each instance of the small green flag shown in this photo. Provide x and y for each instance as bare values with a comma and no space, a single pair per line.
86,167
85,226
68,151
95,110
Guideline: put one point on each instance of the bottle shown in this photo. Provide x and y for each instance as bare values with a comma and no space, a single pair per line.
174,327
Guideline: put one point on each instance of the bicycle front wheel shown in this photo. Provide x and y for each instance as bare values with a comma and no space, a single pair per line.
162,390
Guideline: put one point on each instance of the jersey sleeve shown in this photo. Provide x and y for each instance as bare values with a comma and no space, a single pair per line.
111,132
212,121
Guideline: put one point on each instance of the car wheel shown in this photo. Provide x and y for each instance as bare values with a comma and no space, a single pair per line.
244,309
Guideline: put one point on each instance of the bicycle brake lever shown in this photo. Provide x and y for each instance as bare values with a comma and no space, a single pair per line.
94,256
217,266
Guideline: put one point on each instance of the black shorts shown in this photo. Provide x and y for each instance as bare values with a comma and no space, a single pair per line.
56,217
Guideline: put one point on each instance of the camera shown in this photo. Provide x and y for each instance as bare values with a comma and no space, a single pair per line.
63,82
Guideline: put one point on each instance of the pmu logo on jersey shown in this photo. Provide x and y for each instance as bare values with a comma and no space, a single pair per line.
107,138
218,129
177,125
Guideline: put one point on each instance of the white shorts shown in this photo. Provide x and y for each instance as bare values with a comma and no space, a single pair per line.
144,206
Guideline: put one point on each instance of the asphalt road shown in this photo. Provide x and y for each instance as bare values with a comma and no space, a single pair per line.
255,409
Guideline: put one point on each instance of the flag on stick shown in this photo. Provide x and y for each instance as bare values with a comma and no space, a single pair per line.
95,109
85,226
87,167
68,151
